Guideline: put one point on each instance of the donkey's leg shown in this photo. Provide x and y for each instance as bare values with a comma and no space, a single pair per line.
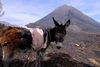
5,60
6,63
39,58
37,64
7,56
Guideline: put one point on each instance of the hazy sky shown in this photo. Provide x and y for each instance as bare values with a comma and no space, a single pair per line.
22,12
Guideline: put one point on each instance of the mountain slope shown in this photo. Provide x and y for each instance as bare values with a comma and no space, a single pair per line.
79,21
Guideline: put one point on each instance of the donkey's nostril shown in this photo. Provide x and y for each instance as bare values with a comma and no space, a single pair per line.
5,44
58,47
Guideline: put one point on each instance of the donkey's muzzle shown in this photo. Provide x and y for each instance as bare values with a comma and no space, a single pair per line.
59,45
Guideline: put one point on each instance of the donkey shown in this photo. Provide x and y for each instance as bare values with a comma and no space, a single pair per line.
56,35
13,38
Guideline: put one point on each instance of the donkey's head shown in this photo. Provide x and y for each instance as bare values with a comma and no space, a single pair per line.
9,39
60,32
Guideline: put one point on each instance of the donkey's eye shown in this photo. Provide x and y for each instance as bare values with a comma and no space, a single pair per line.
5,44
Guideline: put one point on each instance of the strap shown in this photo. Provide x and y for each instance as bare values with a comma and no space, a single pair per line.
45,39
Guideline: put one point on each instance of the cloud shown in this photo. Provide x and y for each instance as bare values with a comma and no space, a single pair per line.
93,13
77,3
22,12
88,7
19,18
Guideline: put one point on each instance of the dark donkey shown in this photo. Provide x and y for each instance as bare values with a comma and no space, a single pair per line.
13,38
56,35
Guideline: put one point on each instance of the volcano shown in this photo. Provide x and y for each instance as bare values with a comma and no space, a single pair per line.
79,21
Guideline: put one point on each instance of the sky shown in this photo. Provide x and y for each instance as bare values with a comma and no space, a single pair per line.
22,12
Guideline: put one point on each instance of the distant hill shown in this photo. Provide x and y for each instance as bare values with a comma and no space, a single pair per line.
79,21
2,26
7,23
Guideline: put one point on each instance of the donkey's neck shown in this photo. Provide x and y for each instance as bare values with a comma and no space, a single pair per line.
51,35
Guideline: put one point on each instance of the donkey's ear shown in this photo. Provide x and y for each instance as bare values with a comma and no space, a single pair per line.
67,23
55,22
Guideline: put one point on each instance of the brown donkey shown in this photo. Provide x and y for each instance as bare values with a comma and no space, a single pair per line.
12,38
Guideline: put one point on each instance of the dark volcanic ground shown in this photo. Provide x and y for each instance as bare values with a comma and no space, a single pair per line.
51,60
87,54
